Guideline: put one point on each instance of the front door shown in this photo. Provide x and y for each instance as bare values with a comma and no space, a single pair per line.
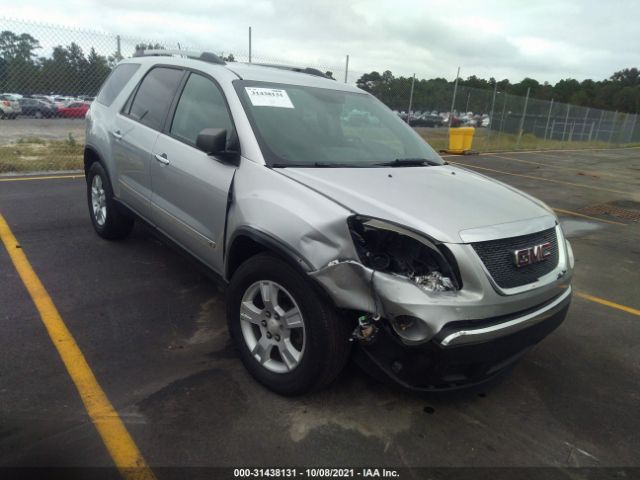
191,188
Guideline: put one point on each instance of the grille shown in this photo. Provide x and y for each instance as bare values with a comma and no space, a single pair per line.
497,256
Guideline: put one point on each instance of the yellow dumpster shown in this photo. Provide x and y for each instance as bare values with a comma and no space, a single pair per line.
456,140
460,139
468,138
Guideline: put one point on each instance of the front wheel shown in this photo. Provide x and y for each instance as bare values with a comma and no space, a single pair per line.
288,336
108,221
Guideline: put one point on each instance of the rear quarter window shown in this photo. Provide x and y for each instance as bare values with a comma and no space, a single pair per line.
115,82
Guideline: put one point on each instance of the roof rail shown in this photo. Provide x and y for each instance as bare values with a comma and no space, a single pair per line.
307,70
204,56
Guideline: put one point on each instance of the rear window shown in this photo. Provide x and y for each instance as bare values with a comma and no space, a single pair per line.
116,82
154,96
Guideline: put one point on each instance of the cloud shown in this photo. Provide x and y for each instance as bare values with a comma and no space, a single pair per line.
546,39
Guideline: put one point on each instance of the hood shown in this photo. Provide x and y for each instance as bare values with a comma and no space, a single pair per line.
440,201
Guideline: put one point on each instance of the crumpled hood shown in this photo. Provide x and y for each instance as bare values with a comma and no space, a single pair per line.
440,201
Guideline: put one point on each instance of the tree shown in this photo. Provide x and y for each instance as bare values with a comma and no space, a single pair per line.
17,47
627,77
565,88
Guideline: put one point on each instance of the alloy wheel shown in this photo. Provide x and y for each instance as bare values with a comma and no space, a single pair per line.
272,326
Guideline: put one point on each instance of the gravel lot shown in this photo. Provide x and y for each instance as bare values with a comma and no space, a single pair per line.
44,128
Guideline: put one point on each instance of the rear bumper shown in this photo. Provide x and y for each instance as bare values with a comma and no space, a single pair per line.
460,356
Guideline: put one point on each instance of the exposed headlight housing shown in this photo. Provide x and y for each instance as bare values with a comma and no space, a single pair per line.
390,248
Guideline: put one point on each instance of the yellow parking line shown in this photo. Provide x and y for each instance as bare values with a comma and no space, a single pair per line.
46,177
576,214
543,179
115,436
602,301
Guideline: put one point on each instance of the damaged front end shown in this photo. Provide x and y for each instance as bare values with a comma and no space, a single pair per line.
394,264
415,322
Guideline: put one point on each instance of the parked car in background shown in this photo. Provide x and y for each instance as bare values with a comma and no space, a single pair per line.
44,98
9,106
6,110
74,110
34,107
427,120
63,101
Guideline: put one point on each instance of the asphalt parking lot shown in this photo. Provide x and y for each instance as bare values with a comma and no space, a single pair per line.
153,332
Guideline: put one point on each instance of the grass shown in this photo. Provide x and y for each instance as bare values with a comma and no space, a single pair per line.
32,154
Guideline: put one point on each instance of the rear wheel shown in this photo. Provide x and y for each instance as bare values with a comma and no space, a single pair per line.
108,221
288,336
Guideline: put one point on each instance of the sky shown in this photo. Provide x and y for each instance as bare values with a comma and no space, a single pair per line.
545,40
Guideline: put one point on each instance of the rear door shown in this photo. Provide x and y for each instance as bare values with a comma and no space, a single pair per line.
136,131
190,188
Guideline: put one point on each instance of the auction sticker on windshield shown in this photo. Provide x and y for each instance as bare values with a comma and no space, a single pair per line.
269,97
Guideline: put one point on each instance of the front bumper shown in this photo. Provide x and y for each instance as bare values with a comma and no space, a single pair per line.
464,353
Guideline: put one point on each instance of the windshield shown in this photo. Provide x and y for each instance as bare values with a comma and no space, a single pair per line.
310,127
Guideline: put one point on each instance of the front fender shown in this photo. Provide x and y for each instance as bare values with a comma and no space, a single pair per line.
306,223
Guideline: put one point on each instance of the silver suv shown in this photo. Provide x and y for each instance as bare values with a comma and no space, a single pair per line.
336,228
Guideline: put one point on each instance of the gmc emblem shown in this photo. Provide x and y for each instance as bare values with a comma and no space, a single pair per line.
531,255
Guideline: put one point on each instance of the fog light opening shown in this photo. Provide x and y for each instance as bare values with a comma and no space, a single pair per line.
410,328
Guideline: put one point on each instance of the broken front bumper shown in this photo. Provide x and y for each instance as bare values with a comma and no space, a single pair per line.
475,358
456,337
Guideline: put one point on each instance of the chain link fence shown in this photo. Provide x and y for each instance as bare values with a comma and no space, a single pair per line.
50,74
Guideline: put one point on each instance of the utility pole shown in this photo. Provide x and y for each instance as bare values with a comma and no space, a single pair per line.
118,50
453,100
249,44
346,70
413,81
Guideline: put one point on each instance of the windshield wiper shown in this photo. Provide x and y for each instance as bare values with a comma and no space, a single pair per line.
313,165
409,162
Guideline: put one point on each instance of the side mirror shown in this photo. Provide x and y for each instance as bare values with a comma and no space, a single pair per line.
213,141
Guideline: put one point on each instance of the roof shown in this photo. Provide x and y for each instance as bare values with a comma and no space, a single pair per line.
248,71
276,74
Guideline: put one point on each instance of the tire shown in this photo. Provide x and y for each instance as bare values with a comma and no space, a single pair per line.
108,221
324,348
38,114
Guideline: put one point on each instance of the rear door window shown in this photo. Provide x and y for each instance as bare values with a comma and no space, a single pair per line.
201,106
154,96
116,82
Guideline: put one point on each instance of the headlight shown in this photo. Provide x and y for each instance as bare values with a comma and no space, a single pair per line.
394,249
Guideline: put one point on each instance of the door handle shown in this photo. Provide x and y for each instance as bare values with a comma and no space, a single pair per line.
117,134
162,158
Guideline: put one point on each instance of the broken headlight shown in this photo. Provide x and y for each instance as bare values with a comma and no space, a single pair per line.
390,248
